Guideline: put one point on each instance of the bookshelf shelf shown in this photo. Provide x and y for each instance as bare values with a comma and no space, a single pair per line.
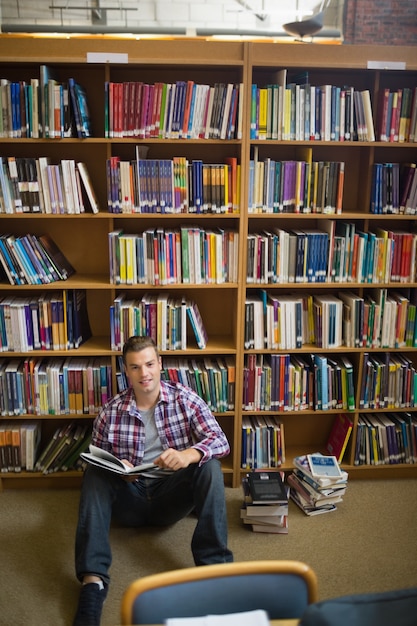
84,237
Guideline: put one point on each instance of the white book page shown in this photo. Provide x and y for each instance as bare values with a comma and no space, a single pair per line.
247,618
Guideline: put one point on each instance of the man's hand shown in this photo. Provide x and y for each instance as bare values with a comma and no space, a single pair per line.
128,479
178,459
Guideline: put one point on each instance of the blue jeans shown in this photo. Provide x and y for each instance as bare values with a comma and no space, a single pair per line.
151,502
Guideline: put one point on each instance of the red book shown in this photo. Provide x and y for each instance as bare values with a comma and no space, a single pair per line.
144,110
339,436
156,112
138,104
383,107
406,257
125,109
395,116
187,108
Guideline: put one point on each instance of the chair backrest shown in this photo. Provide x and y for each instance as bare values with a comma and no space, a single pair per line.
282,588
387,608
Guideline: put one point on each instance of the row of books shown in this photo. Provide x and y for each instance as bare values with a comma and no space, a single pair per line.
161,316
47,107
188,255
173,186
65,386
394,188
386,439
284,382
383,319
287,322
22,448
303,112
32,260
58,386
180,110
337,252
54,320
263,442
212,379
317,483
397,115
296,186
389,381
44,107
29,185
265,502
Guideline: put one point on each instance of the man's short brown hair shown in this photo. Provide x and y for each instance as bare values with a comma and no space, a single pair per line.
137,343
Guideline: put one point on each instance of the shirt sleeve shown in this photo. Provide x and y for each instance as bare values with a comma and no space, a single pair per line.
207,435
99,435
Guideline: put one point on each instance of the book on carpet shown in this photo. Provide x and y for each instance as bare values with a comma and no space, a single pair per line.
322,466
267,488
104,459
307,508
267,516
312,492
302,463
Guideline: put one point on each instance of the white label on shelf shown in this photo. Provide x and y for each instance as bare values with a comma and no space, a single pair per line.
386,65
107,57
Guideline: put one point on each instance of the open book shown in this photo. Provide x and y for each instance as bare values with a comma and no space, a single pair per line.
258,617
106,460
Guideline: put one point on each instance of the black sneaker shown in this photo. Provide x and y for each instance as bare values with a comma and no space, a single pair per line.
90,605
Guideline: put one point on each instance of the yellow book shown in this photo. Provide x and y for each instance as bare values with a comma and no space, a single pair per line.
287,115
227,203
383,234
231,165
263,113
122,260
130,259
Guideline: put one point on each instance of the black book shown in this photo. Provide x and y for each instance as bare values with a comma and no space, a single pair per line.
78,320
267,488
56,256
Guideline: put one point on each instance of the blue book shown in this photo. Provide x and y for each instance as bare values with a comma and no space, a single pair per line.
38,267
254,113
28,271
197,184
9,263
75,107
85,119
197,324
16,112
178,108
192,110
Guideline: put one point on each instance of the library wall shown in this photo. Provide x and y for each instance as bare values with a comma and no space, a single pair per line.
386,22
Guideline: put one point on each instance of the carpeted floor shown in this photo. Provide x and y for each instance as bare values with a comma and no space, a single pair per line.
368,544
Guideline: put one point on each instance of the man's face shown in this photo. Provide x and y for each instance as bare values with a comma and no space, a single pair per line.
144,371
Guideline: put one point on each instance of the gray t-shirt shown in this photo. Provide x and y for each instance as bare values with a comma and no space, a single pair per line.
153,446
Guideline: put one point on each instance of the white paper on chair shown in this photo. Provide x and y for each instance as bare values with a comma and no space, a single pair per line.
247,618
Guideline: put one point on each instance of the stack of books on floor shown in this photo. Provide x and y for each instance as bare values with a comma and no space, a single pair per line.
317,484
265,502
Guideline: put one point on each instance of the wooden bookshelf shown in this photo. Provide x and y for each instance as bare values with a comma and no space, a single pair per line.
84,238
307,431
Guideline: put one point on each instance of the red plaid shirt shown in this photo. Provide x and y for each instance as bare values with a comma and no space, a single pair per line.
182,418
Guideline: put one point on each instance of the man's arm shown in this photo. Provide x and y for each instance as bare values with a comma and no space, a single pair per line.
178,459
